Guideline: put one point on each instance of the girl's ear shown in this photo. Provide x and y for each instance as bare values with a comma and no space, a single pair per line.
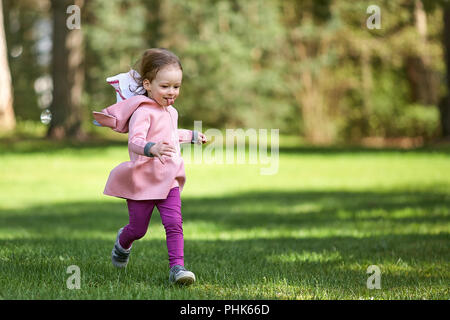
146,84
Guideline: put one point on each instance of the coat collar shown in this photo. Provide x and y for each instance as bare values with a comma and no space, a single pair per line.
117,116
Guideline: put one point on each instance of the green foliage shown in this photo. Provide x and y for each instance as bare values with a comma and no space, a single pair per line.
230,55
419,120
388,100
114,33
392,116
390,113
244,66
21,19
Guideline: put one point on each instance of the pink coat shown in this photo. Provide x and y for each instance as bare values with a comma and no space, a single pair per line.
145,177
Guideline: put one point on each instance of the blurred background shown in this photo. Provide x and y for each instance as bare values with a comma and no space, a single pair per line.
313,69
359,91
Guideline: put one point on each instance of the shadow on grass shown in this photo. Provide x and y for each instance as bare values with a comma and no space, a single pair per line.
269,210
289,258
39,144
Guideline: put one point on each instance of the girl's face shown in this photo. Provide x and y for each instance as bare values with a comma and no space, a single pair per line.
165,87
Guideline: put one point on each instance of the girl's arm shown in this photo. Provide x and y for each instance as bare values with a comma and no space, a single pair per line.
138,128
184,135
187,136
191,136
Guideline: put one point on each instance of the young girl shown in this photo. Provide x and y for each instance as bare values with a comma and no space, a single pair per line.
155,174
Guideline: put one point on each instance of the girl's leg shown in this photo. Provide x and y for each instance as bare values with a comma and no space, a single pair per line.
140,212
170,210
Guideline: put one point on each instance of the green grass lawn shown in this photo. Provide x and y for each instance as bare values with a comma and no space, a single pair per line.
308,232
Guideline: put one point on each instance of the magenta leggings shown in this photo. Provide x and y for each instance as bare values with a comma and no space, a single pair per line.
140,212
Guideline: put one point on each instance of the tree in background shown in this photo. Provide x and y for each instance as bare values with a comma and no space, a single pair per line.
28,34
312,28
116,34
306,67
230,52
67,74
352,82
424,82
7,119
444,105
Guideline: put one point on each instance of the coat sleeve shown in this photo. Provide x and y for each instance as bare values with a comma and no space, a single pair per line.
138,128
185,136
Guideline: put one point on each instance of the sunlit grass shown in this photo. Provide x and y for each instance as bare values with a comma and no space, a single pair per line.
308,232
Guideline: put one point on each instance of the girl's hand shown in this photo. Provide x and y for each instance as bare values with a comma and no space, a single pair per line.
162,149
202,138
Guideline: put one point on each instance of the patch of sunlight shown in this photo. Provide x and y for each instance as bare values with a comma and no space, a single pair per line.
421,228
300,208
282,232
15,233
199,227
97,235
268,233
397,214
329,232
306,256
420,212
395,268
217,234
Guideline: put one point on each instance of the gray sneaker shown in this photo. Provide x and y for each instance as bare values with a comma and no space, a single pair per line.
119,255
178,274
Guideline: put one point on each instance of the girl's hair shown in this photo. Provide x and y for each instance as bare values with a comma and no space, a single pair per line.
151,62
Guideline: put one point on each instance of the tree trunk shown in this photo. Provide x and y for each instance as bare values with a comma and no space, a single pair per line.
366,78
423,81
7,118
444,105
68,75
310,96
309,75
